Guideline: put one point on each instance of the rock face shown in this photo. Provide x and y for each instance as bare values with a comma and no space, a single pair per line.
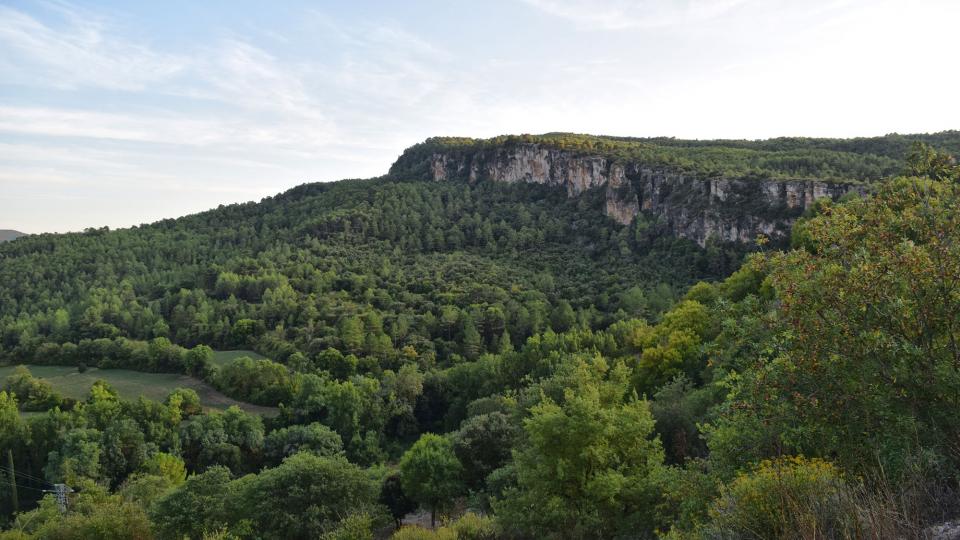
6,235
693,207
949,530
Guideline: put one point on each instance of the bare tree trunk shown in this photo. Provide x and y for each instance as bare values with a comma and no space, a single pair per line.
14,499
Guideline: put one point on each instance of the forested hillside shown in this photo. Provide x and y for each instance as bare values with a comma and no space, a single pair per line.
503,358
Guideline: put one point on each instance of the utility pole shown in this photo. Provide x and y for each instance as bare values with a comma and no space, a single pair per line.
14,498
60,491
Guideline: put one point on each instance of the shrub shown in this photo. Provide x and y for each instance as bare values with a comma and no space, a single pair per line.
469,526
786,498
419,533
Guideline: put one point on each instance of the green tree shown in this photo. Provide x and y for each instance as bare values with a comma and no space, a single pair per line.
634,301
185,400
315,438
864,359
351,334
562,317
483,444
395,499
599,482
195,508
431,473
167,466
94,513
472,341
305,497
924,160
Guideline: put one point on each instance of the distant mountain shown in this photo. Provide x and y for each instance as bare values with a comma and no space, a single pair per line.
7,235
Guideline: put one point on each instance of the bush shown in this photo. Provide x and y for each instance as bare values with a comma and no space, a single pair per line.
415,532
470,526
786,498
353,527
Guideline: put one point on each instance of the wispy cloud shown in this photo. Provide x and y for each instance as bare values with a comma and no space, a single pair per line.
76,51
633,14
93,106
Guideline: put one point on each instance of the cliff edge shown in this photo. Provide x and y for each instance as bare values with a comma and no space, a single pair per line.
692,205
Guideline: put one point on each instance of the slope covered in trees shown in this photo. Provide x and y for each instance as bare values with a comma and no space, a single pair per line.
496,348
366,267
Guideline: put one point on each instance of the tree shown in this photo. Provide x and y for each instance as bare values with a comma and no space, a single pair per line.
167,466
483,444
351,334
431,474
232,438
197,359
472,341
95,513
315,438
634,301
186,400
562,317
33,394
78,456
13,437
926,161
395,499
599,482
305,497
194,508
863,365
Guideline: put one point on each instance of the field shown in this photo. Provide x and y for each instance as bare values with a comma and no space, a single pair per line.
132,384
222,357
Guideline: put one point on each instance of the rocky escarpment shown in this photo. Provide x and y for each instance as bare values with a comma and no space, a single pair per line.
688,205
6,235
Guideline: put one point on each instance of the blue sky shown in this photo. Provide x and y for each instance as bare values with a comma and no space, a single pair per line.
119,113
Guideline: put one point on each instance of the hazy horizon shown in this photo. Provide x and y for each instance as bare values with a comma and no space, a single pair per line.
118,114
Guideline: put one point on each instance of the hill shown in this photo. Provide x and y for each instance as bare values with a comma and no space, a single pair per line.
485,327
387,267
369,266
6,235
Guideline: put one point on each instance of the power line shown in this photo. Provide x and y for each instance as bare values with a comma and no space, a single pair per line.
32,488
24,475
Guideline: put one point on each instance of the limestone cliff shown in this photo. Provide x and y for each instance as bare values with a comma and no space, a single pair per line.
690,206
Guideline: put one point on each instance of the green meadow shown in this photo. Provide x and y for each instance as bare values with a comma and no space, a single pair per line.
221,358
69,382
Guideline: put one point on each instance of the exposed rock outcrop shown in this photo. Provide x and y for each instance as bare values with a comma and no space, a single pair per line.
690,206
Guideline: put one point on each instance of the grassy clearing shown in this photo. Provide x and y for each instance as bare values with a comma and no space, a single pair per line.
132,384
223,357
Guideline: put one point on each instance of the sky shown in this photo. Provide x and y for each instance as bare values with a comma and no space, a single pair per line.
117,113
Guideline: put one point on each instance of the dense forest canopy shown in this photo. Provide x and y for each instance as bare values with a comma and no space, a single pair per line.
501,358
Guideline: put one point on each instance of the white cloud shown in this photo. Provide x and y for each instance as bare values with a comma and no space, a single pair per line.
228,119
77,53
632,14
